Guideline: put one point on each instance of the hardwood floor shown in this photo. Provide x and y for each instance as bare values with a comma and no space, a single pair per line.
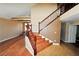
64,49
14,47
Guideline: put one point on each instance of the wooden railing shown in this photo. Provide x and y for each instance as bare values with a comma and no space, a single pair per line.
50,18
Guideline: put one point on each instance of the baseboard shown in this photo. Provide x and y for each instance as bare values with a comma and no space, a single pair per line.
56,43
6,39
67,41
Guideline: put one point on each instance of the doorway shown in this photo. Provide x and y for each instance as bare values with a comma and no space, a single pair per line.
77,35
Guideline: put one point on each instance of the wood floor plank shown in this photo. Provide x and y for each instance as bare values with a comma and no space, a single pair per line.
14,47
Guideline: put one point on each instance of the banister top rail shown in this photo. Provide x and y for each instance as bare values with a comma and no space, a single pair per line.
49,23
51,14
53,19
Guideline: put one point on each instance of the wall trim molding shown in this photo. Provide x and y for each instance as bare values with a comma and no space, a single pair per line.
6,39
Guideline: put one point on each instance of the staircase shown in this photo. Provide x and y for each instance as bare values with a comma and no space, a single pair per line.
38,42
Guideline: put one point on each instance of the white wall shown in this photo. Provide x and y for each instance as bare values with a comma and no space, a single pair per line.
9,29
40,12
75,22
28,45
53,31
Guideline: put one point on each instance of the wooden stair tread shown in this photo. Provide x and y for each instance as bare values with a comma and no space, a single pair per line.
38,43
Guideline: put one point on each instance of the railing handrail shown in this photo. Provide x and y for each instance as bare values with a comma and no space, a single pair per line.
48,17
52,20
51,14
49,23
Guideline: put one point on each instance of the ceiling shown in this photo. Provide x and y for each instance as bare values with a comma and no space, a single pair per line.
71,15
9,10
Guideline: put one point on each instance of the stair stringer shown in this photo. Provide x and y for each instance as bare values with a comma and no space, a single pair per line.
29,46
50,41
